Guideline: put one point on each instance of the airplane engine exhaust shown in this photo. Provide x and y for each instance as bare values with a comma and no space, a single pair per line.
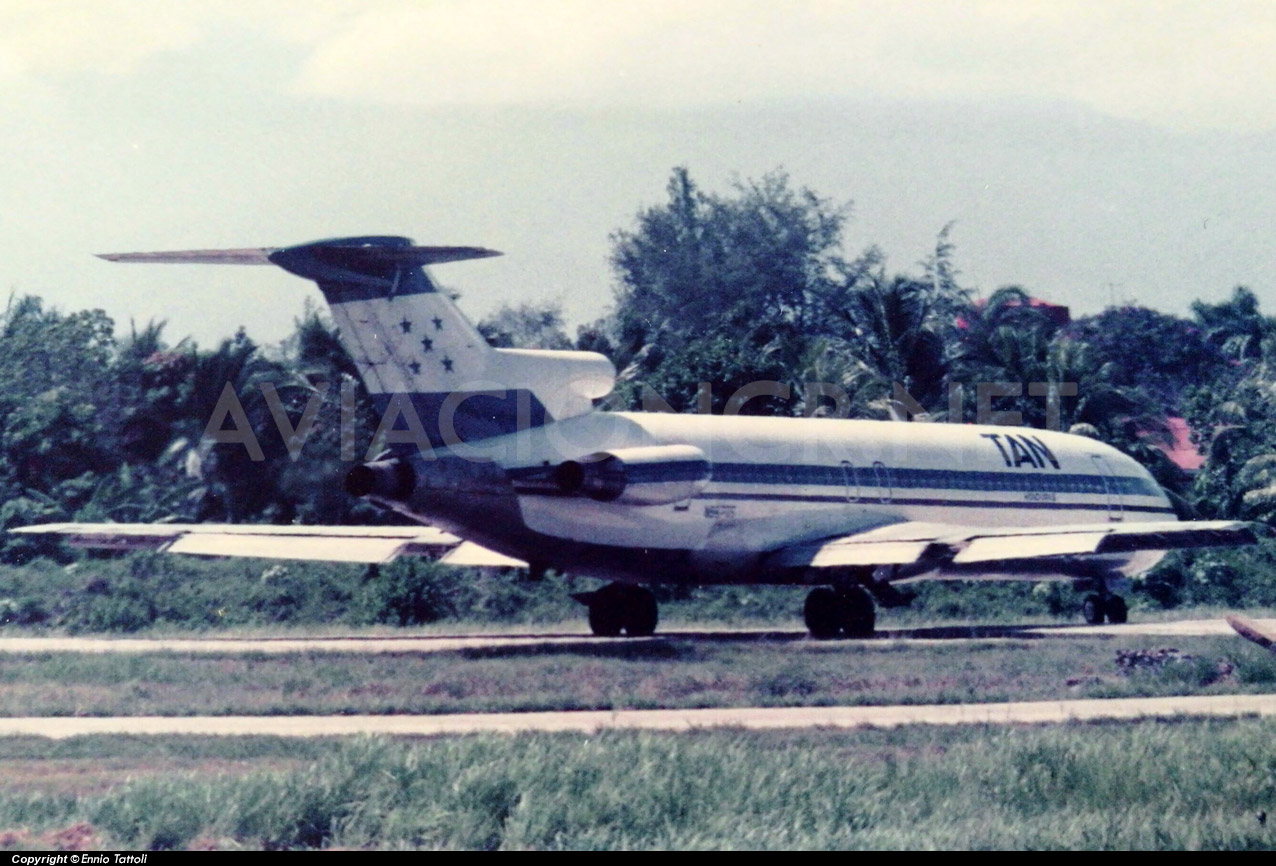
384,479
654,475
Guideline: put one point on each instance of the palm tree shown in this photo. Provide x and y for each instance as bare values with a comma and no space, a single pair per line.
1239,476
831,382
897,328
1235,326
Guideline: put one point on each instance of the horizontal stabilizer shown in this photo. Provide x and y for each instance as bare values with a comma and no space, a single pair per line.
197,257
350,253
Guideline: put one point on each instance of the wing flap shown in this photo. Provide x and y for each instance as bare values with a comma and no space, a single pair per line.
1003,547
879,553
472,555
1218,533
313,548
370,544
894,544
908,543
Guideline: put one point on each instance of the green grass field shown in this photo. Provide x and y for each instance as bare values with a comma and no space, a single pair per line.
1146,785
663,672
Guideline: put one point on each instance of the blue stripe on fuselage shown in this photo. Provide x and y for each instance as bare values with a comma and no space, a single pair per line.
870,482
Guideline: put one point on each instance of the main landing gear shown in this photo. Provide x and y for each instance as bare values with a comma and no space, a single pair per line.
1098,607
843,612
621,607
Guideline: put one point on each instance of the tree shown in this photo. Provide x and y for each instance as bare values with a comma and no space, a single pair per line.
1235,327
745,267
1237,430
526,326
896,327
1162,354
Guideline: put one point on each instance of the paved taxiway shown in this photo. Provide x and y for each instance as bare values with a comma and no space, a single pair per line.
1034,712
751,718
456,643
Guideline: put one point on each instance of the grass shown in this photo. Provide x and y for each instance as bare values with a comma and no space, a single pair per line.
1147,785
663,672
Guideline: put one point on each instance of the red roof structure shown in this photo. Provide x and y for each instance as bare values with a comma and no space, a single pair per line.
1057,313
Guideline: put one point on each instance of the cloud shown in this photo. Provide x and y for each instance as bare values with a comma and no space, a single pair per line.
1181,65
59,38
1184,65
111,36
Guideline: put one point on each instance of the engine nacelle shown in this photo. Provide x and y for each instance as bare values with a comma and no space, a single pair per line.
652,475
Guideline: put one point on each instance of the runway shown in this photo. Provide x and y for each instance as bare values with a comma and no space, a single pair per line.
590,722
460,642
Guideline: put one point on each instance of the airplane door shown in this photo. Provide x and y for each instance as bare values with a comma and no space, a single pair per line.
851,481
1116,508
885,483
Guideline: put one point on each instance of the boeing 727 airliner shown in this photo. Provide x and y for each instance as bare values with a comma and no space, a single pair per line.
502,458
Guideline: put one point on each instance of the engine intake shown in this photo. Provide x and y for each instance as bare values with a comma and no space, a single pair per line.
384,479
653,475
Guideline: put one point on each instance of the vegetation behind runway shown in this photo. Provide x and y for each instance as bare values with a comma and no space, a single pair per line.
150,593
662,672
719,289
1197,785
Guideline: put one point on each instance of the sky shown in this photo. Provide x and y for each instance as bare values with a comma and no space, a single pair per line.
1091,152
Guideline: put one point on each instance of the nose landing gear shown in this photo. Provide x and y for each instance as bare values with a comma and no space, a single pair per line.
1102,603
1098,607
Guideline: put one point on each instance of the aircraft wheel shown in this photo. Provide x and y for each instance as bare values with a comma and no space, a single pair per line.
859,616
604,618
831,613
641,612
1116,610
620,607
821,613
1093,609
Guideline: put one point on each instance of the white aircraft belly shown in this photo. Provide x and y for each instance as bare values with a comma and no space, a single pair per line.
672,527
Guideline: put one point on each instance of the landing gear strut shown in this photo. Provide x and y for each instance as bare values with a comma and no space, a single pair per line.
846,612
621,607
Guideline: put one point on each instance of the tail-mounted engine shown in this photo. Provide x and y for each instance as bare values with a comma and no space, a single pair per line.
653,475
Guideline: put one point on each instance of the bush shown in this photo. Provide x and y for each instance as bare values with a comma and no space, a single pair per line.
403,593
1233,577
121,604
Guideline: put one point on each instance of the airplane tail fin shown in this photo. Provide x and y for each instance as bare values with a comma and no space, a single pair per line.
415,348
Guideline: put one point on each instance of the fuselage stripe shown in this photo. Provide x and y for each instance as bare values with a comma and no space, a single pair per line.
879,482
957,503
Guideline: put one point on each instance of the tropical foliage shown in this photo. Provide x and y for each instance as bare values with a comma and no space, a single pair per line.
714,293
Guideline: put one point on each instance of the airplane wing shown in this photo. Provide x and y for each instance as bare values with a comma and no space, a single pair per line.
919,543
369,544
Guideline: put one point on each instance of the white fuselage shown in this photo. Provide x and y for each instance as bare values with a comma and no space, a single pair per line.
777,482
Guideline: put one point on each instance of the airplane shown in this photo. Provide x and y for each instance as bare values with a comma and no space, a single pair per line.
501,457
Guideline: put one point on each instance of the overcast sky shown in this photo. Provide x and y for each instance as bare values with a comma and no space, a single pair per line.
1088,151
